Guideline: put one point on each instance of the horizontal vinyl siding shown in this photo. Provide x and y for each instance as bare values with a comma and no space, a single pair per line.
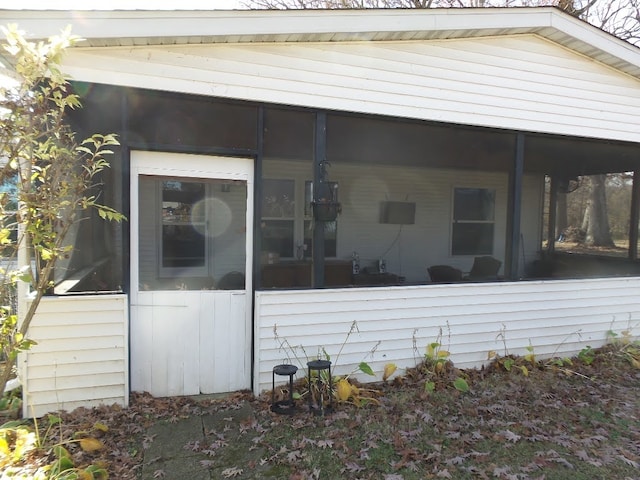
81,356
557,318
515,82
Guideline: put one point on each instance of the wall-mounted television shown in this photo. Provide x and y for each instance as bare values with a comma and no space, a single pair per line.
399,213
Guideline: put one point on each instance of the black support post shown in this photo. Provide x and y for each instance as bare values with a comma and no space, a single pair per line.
514,210
125,189
633,222
553,213
319,157
257,202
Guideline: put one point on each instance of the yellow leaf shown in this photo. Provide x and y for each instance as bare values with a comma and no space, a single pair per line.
101,426
4,447
491,354
84,475
389,369
430,351
443,354
91,444
343,390
525,370
5,236
635,363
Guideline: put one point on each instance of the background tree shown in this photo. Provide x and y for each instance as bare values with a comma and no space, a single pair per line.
619,17
47,180
595,222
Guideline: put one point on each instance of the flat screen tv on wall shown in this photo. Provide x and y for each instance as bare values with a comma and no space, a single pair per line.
399,213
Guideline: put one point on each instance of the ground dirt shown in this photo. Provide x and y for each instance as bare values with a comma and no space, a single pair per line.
548,420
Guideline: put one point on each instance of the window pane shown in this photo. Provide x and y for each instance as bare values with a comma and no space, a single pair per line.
330,243
183,227
472,239
277,237
278,198
182,246
473,204
192,233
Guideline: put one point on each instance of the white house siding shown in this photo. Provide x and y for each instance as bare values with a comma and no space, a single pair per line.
556,318
81,358
410,249
516,82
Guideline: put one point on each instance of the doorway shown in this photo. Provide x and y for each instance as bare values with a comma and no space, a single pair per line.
191,257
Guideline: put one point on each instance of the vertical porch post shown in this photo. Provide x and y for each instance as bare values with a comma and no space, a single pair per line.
635,210
553,210
125,181
257,203
319,156
514,210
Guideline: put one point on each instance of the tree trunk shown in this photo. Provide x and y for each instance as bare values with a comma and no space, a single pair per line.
596,219
562,221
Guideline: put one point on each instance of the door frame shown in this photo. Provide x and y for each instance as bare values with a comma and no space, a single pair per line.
196,166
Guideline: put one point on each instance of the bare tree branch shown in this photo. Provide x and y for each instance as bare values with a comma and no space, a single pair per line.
618,17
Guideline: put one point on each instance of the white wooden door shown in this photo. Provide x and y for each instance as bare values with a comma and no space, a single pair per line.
191,230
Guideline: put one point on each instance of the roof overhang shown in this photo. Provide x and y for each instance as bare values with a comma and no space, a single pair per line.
178,27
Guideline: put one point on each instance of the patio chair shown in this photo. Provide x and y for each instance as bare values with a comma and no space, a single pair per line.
232,281
484,268
444,274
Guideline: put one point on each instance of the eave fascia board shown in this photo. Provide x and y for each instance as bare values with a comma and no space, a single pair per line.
158,27
260,23
589,36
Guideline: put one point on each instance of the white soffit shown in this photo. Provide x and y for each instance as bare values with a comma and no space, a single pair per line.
154,27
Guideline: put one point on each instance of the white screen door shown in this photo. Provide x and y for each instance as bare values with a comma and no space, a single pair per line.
191,224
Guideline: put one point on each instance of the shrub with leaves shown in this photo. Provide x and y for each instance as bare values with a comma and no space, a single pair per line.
625,346
47,178
439,370
319,386
19,440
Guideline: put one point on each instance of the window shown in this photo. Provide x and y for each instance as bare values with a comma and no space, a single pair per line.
184,225
192,232
278,217
287,232
329,239
473,221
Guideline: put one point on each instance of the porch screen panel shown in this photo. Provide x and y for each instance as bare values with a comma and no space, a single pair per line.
166,119
287,165
191,234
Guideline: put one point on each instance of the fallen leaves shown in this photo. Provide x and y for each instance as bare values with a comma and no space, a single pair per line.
232,472
91,444
509,436
510,426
